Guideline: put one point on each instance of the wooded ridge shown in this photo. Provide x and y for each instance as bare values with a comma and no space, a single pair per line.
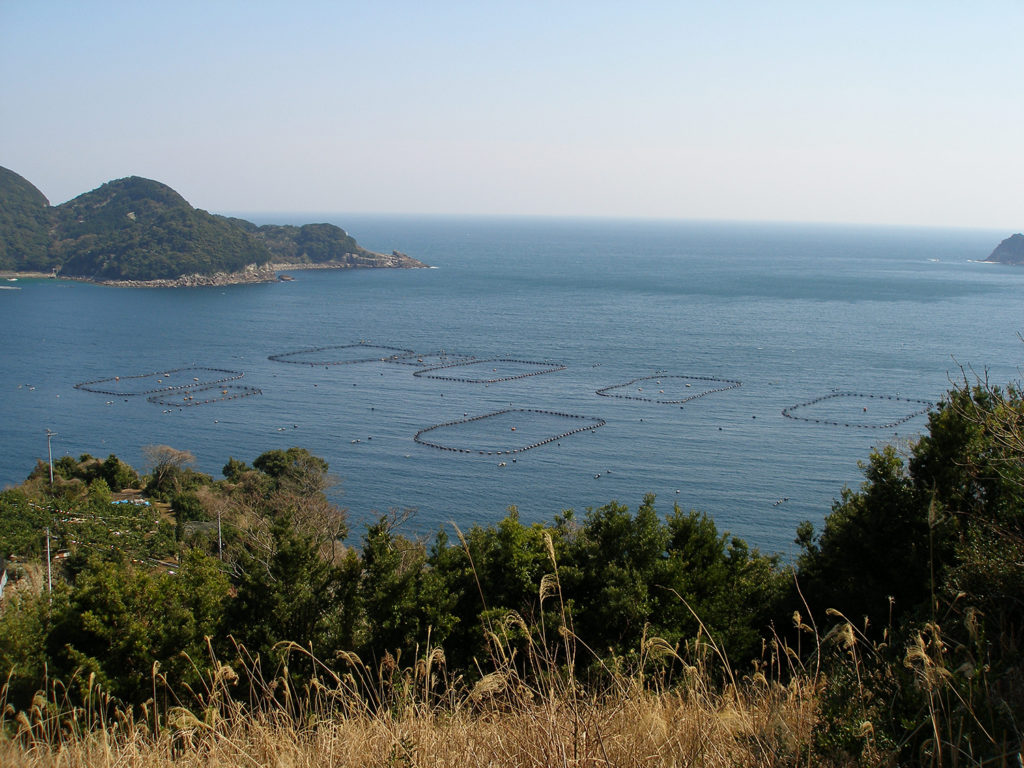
137,230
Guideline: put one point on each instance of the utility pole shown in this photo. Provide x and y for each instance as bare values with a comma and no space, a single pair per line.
220,541
49,452
49,576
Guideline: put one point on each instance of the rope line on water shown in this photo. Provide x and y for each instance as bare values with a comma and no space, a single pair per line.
595,423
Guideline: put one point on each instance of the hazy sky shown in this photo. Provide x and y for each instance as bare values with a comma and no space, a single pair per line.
876,112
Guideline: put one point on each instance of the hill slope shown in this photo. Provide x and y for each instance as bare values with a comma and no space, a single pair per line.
25,216
139,230
1010,251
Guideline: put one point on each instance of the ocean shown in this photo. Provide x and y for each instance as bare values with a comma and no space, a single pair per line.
698,336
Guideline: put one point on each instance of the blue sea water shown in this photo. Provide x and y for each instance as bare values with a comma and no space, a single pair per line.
793,312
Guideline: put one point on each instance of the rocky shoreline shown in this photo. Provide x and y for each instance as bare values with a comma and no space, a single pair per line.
253,273
9,274
1010,251
393,260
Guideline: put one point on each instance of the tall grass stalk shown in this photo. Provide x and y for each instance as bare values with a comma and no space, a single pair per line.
527,708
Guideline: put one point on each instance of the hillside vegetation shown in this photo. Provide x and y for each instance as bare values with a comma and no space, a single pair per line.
25,215
613,637
136,229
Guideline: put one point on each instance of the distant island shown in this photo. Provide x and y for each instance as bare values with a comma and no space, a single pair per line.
136,231
1010,251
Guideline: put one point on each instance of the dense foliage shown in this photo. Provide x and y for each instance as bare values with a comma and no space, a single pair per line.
24,224
623,576
310,244
913,591
919,576
138,229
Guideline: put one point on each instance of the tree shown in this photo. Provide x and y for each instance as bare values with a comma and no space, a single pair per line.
715,580
21,525
943,537
118,475
234,470
874,558
26,622
392,569
166,466
286,590
119,619
610,573
296,470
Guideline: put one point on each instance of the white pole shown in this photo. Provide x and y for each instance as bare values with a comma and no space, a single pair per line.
220,541
49,576
49,452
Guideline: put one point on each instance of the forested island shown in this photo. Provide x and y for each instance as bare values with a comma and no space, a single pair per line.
136,231
167,613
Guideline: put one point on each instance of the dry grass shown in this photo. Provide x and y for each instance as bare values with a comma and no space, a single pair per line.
760,725
526,709
529,710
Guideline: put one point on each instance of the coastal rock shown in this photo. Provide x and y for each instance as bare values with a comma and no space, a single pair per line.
253,273
1010,251
393,260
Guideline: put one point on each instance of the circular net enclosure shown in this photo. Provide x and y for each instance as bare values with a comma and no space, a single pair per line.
204,395
440,359
489,371
669,389
855,409
166,380
342,354
513,430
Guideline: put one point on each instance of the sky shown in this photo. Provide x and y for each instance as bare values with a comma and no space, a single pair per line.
895,113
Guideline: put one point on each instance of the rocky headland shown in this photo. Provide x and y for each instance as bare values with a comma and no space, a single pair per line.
139,232
1010,251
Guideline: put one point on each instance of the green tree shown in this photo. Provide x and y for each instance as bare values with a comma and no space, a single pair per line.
99,492
234,470
119,475
392,569
716,580
22,525
286,590
943,537
120,619
611,573
26,623
295,469
873,560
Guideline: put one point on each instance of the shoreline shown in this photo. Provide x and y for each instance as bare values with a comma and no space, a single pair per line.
7,274
253,273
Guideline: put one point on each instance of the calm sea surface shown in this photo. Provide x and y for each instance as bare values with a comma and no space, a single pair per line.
794,313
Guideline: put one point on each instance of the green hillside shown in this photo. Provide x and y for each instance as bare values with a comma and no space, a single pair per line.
137,229
25,215
311,243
